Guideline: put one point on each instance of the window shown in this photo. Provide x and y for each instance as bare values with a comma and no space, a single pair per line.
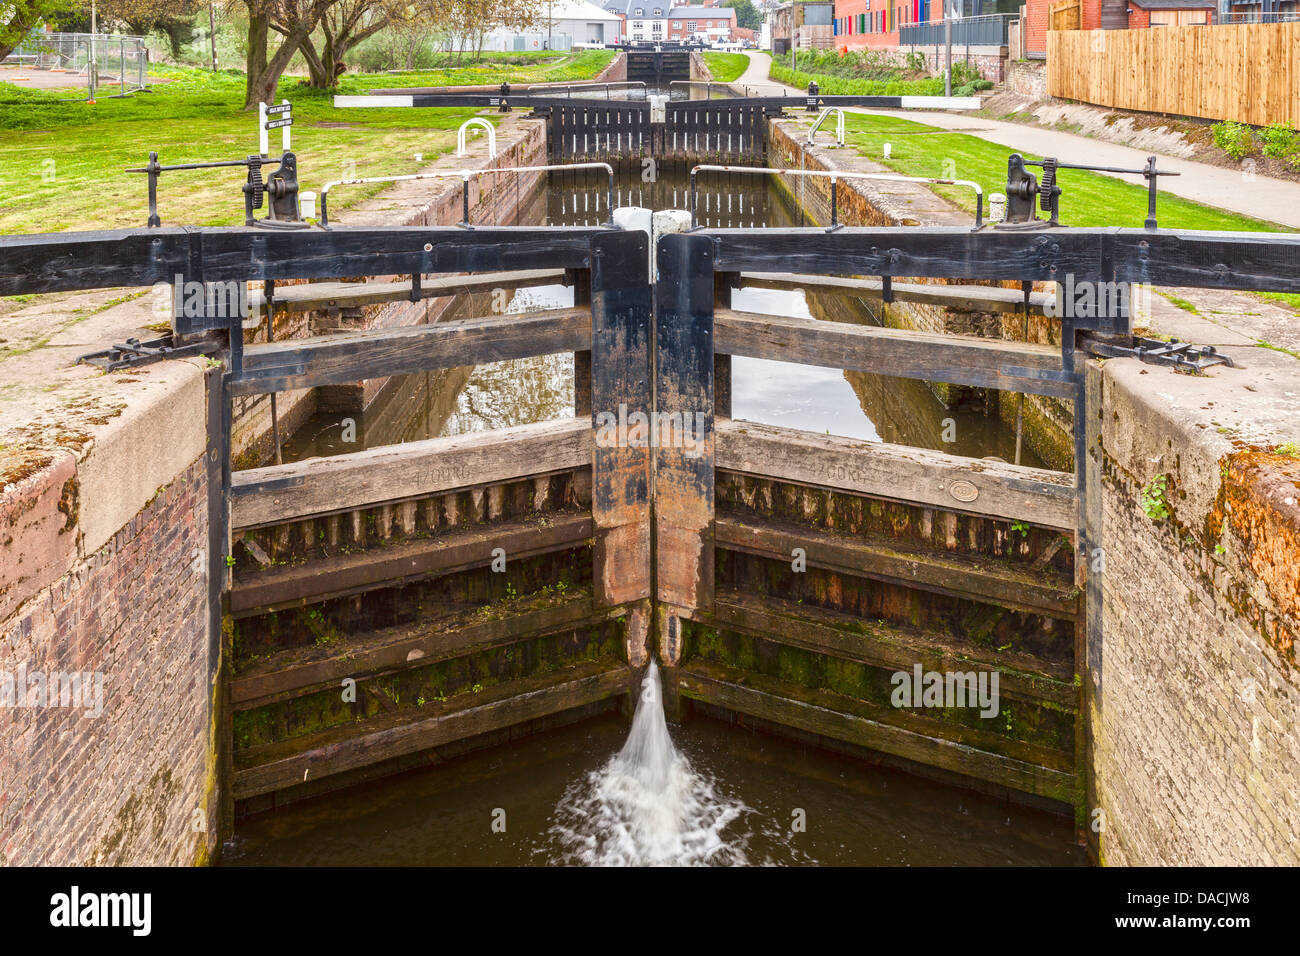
658,12
640,11
690,25
657,27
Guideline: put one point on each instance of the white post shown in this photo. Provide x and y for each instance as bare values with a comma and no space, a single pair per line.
263,144
284,130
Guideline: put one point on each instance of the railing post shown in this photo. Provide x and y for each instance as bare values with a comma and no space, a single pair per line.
684,403
619,406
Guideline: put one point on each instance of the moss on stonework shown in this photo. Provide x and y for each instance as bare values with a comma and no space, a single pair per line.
139,826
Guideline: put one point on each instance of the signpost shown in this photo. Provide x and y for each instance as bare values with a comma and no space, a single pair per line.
274,117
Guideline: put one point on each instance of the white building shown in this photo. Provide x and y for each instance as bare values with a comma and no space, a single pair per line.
645,20
561,24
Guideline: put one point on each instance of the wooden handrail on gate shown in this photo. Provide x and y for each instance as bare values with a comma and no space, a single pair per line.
353,356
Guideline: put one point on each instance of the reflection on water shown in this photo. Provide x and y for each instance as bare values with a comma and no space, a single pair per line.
855,813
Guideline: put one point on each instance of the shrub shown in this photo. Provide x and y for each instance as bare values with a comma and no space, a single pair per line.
916,62
1279,140
1235,139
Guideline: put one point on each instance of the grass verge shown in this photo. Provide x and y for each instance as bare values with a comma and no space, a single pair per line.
1088,199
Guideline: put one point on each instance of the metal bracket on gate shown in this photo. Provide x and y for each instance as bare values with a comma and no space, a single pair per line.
133,353
1180,356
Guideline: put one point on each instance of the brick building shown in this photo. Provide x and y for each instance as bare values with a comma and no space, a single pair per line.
873,24
705,21
1114,15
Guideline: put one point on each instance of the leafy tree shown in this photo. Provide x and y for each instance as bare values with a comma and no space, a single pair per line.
19,17
173,18
747,15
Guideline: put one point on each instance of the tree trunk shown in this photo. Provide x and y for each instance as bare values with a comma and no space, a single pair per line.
263,73
319,69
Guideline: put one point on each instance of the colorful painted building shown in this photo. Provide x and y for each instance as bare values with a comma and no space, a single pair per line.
873,24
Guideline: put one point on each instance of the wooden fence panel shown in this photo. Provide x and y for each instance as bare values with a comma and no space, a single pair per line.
1248,72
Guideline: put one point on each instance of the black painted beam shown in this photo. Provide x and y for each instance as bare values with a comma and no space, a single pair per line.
1254,261
68,261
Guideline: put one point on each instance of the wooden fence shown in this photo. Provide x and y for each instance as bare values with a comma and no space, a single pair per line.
1246,72
1064,15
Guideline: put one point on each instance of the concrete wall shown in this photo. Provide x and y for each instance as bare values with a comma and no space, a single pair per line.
1193,680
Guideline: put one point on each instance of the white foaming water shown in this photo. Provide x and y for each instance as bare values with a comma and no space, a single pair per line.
647,806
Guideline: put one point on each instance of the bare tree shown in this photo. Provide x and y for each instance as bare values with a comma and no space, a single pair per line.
293,21
344,25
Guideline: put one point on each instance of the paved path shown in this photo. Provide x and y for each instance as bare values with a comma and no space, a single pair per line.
1273,200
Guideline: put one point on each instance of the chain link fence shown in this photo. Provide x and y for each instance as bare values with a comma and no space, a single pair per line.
107,61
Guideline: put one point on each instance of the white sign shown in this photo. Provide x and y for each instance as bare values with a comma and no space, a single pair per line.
264,125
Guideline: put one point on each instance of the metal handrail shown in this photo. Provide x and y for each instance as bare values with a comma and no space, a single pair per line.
834,177
839,124
707,84
464,175
568,88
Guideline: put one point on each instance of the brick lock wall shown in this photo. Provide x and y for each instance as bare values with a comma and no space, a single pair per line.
122,787
1194,678
1195,747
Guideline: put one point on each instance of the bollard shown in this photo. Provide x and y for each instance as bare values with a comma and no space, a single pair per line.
997,207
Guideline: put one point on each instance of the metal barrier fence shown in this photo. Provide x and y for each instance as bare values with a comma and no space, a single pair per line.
1275,17
93,60
968,31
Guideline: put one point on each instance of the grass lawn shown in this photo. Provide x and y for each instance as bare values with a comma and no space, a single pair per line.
1087,199
61,164
726,67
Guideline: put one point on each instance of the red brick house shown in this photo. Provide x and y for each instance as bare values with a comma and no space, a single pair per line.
702,21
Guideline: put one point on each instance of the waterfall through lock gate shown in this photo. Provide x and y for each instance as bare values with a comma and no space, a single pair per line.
647,806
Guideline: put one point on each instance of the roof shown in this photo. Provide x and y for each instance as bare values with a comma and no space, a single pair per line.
579,10
696,13
1175,4
627,8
